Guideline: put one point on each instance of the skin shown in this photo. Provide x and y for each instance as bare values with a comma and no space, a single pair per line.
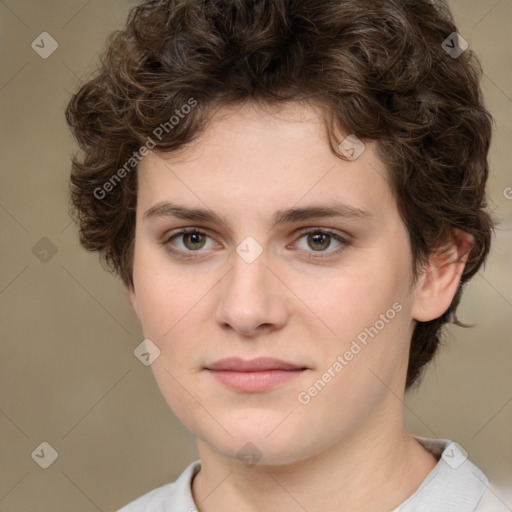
345,450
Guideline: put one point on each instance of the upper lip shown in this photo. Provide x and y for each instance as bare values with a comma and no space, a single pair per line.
236,364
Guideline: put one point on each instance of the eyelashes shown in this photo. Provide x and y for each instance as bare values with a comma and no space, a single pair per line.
194,243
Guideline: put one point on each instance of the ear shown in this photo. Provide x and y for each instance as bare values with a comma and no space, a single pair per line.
133,300
439,282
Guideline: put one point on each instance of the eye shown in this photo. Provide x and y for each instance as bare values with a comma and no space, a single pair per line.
192,240
318,240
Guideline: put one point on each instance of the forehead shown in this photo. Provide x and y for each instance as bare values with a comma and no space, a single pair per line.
257,160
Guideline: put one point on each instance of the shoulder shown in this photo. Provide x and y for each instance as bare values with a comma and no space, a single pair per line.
454,484
172,496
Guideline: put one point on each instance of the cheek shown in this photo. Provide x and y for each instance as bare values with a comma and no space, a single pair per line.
164,295
167,306
357,298
367,307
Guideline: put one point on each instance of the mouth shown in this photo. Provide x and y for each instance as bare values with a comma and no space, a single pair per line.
256,375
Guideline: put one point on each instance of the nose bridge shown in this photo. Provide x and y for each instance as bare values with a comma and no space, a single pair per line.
250,296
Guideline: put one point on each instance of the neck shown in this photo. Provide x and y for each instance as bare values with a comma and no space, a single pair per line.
367,471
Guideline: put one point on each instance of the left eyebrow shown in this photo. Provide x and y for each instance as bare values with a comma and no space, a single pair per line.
290,215
320,211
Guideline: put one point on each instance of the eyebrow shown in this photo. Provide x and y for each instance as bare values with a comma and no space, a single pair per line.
290,215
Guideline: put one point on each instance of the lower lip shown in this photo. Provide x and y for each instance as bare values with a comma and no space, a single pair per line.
253,382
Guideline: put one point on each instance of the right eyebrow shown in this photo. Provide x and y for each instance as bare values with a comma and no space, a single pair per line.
166,209
290,215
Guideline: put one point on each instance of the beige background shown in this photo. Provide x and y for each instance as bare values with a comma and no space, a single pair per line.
68,374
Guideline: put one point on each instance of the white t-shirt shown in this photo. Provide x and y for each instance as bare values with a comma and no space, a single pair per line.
454,485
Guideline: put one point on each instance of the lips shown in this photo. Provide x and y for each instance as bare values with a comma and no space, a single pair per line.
254,376
261,364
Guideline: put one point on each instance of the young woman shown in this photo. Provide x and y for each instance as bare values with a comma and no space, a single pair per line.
293,193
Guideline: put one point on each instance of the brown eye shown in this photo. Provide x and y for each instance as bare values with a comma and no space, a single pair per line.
194,241
319,241
188,241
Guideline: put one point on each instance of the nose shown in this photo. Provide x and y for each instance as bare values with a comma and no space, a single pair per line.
252,300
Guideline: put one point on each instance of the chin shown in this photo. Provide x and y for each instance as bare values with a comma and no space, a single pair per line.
260,443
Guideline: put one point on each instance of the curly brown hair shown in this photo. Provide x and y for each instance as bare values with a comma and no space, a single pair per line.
380,69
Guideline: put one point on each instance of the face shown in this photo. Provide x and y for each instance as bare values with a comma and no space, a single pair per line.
302,257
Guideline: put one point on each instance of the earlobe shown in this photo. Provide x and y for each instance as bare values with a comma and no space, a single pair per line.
440,280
